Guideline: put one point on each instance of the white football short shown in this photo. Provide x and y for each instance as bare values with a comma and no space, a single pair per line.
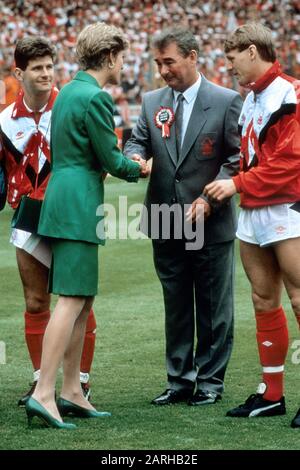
32,244
270,224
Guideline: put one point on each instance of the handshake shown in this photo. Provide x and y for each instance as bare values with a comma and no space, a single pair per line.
144,168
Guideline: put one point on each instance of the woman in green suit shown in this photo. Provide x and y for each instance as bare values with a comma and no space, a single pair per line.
84,148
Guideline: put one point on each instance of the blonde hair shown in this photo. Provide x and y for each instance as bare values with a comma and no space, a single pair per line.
252,33
96,42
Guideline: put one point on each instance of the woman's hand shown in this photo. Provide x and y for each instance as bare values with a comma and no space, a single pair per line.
144,168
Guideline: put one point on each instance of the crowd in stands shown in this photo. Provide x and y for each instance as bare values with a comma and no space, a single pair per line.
211,21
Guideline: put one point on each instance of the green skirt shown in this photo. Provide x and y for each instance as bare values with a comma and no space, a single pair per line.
74,268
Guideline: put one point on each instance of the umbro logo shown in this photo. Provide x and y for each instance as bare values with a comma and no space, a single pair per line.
280,229
260,120
19,135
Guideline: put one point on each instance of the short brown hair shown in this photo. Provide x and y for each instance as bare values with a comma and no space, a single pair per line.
96,42
30,48
252,33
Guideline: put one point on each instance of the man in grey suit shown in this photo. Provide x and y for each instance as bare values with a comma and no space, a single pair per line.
191,146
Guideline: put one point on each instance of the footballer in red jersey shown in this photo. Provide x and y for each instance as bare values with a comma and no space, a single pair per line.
269,187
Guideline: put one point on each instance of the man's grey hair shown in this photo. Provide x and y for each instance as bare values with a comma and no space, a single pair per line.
182,37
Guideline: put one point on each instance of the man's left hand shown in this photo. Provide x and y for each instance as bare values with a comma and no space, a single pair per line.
198,207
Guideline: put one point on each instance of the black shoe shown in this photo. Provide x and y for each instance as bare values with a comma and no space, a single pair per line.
204,397
256,405
296,421
86,390
170,397
25,398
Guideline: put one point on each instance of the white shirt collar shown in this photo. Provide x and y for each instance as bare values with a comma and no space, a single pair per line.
191,92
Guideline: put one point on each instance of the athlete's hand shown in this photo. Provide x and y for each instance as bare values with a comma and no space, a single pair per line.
220,189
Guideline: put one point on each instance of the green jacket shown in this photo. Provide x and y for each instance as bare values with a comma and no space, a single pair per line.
83,148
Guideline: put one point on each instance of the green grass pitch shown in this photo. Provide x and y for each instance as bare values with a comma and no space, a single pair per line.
129,367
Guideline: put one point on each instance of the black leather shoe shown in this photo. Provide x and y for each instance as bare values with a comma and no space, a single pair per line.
256,405
296,421
22,402
169,397
204,397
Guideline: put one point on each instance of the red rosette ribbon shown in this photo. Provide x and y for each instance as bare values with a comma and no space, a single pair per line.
163,120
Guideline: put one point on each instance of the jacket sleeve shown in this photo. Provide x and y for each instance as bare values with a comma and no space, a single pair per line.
278,169
100,127
140,140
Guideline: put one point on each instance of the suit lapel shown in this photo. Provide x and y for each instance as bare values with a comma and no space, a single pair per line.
197,119
167,102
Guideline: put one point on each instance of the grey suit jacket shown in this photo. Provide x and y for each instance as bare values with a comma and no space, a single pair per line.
210,151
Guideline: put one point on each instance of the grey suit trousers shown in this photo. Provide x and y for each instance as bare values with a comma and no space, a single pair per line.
198,291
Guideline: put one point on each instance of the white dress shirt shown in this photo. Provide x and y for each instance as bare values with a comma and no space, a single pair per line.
190,95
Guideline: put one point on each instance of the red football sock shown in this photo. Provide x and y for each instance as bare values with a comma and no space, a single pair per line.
35,325
89,343
273,342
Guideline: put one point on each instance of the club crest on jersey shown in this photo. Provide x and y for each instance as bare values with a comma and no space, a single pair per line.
163,119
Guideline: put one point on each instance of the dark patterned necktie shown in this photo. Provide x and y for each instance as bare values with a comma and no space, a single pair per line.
178,123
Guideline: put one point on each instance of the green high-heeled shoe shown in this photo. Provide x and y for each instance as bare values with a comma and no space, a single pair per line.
34,408
66,407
